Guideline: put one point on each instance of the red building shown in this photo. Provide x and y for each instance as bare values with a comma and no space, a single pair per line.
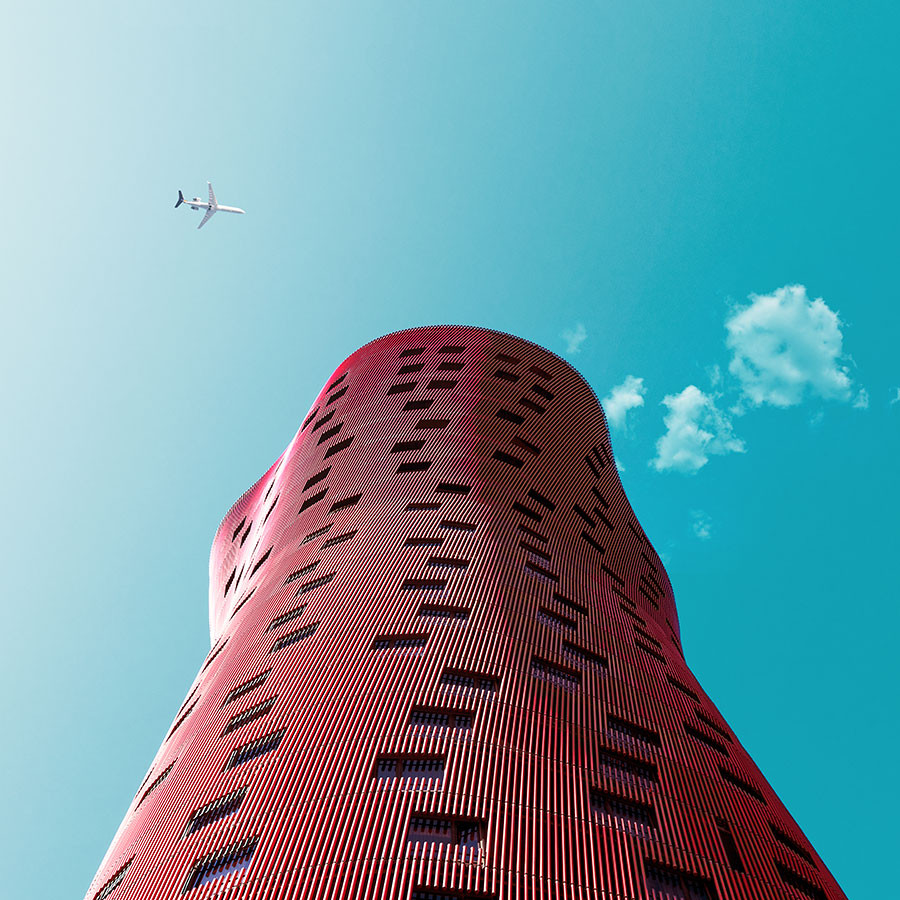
446,664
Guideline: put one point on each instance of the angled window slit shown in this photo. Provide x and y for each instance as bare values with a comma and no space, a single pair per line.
584,515
181,718
524,529
450,366
335,383
457,526
630,612
448,562
336,448
784,838
269,511
451,348
405,642
541,392
261,560
412,351
548,671
506,376
424,584
742,785
799,883
296,576
408,768
530,404
156,782
446,487
238,720
253,749
536,370
324,420
230,580
434,424
243,689
541,499
462,833
113,882
418,404
335,396
410,368
422,507
530,548
219,809
289,616
710,723
234,612
583,657
503,357
237,530
292,637
534,569
440,717
627,770
229,861
347,501
688,692
522,444
424,542
315,479
312,585
630,733
312,500
509,460
309,419
464,678
317,533
592,542
650,651
441,384
440,611
339,539
510,416
603,501
729,845
571,605
419,466
667,883
710,742
555,620
525,511
406,446
623,814
403,388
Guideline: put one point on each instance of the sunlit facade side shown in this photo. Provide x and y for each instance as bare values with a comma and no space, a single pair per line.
446,664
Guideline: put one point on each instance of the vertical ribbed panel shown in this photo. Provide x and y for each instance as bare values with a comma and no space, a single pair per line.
442,572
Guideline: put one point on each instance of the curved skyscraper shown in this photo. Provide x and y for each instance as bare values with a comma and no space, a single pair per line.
446,664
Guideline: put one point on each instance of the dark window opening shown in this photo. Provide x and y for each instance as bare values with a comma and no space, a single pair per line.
729,845
503,357
243,689
665,883
788,876
513,461
742,785
510,416
218,809
419,466
410,368
239,720
623,814
229,861
324,420
312,500
347,501
405,642
424,542
432,424
462,833
336,448
710,723
260,561
335,383
683,688
317,533
582,657
438,717
262,745
422,507
296,576
406,446
627,770
534,569
403,388
446,487
336,396
451,348
312,585
450,366
530,404
458,526
650,651
531,513
418,404
113,882
441,611
409,768
569,604
441,384
237,530
339,539
447,562
791,844
467,679
156,782
506,376
631,734
412,351
555,674
292,637
555,620
330,433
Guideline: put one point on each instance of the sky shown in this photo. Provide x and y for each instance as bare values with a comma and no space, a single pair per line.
693,202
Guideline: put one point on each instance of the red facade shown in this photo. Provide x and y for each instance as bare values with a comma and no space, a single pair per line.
446,664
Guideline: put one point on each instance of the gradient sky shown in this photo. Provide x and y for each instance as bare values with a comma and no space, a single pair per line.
640,187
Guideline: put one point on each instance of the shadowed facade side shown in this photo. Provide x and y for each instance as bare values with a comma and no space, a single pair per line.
446,664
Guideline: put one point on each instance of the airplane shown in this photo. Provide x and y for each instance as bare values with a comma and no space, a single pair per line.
211,208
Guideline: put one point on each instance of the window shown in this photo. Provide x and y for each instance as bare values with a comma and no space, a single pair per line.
156,782
315,479
710,723
571,605
535,551
525,511
710,742
729,845
312,585
510,416
436,717
424,584
420,466
340,539
427,893
554,620
439,611
506,376
253,749
410,368
412,351
582,657
683,688
313,499
238,720
532,568
462,833
630,734
181,718
742,785
507,359
665,883
327,435
335,383
324,420
113,882
296,576
788,876
212,812
623,814
451,348
418,404
260,561
791,844
406,642
441,384
410,768
446,487
340,445
407,446
347,501
292,637
650,651
424,542
317,533
548,671
467,679
513,461
243,689
229,861
336,396
627,770
448,562
457,526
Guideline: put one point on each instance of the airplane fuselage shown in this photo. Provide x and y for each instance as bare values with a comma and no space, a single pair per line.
197,203
211,206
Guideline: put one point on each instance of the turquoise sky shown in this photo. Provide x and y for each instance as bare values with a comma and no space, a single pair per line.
641,187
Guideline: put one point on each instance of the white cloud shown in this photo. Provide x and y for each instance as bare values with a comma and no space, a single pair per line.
627,395
620,467
861,401
785,344
896,398
574,339
695,430
702,524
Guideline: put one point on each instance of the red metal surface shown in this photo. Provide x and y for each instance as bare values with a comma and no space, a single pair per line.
446,664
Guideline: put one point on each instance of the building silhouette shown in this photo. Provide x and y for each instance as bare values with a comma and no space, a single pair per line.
446,664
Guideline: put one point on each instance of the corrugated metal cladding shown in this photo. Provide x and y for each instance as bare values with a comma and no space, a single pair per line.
446,664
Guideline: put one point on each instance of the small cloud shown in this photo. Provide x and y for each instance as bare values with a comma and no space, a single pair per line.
627,395
861,401
701,524
896,398
785,345
620,467
695,429
574,339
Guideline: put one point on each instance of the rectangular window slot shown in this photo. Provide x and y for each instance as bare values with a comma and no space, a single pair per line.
592,542
336,448
213,812
418,466
451,348
156,782
339,539
530,404
424,542
237,530
712,724
441,384
448,562
323,421
554,620
503,357
292,637
599,514
633,614
450,366
407,446
506,376
113,882
688,692
296,576
412,351
336,396
785,839
648,561
269,511
346,502
650,651
317,533
439,611
571,605
424,584
582,657
446,487
603,501
537,389
438,717
592,466
650,640
522,444
531,513
330,433
243,689
463,833
788,876
260,561
181,719
541,499
530,548
315,479
710,742
742,785
229,861
627,770
239,720
606,570
309,419
410,768
584,516
623,814
665,883
413,642
230,580
410,368
524,529
513,461
422,507
213,654
729,845
312,585
548,671
289,616
468,679
335,383
402,388
536,370
418,404
454,525
631,734
510,416
253,749
432,424
649,597
312,500
534,569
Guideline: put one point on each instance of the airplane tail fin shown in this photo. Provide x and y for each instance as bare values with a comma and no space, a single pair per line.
180,200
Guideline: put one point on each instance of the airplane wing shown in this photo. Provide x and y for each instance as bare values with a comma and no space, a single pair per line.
209,214
212,196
